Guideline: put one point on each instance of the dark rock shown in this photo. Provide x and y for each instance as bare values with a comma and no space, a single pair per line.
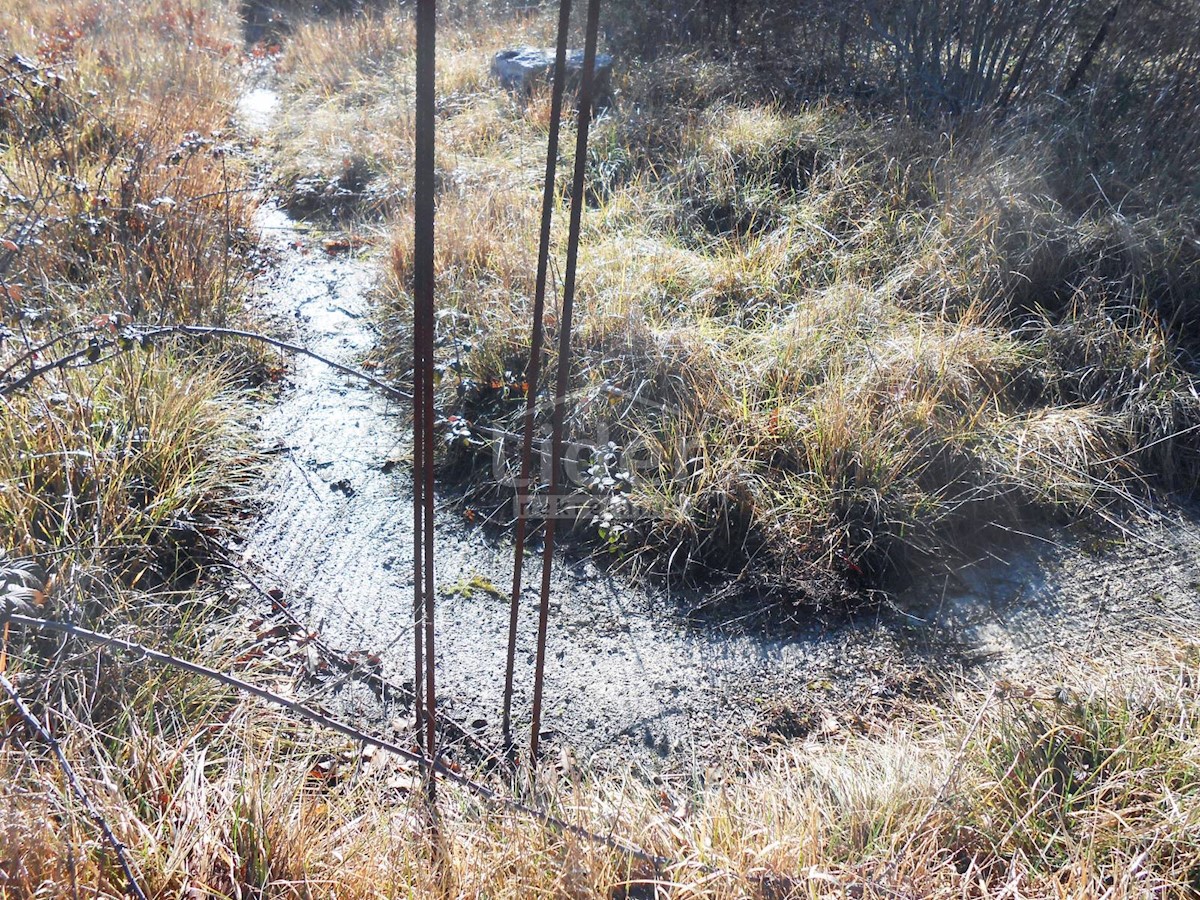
520,68
263,23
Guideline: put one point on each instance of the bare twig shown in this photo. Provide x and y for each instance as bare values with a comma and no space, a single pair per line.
383,688
32,352
150,334
110,346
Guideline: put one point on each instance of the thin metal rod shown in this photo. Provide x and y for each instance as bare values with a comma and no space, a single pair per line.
558,419
76,785
423,310
418,399
534,369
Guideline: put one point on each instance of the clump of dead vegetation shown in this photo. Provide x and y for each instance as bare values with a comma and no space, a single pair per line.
1076,786
123,207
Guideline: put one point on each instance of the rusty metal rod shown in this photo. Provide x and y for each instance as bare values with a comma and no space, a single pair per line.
558,418
423,328
534,369
418,398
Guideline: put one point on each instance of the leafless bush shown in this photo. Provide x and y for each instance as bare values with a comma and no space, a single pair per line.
975,53
937,56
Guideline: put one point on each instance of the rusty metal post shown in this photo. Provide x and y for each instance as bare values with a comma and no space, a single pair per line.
423,328
533,370
558,419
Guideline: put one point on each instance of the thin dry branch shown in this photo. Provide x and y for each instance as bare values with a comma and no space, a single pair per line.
383,688
102,349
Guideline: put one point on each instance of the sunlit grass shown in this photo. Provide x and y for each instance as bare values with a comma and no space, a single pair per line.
866,339
124,203
835,342
1081,785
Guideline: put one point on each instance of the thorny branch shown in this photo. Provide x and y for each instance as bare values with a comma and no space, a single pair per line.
101,348
130,337
382,687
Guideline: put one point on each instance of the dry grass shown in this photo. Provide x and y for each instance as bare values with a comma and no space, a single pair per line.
823,343
122,189
113,468
123,203
344,144
1080,787
852,339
